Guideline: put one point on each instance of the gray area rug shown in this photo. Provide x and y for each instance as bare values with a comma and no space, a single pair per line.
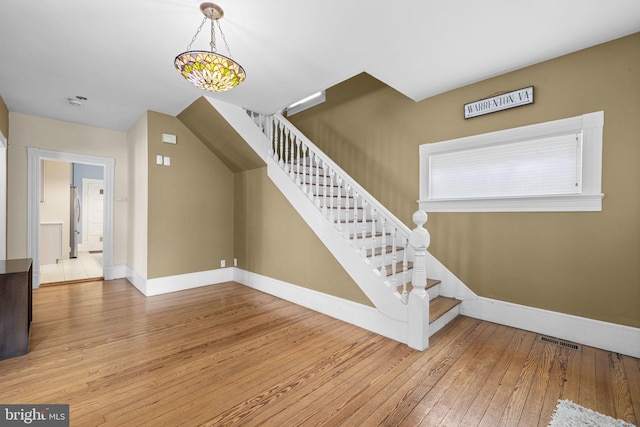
570,414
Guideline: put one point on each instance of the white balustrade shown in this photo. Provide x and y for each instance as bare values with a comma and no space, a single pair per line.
353,211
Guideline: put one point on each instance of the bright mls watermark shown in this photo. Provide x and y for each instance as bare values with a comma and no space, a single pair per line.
34,415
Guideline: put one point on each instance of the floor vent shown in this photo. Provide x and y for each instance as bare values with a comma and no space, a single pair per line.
561,343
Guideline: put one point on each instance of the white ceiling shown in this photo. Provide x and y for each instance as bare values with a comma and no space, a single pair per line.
119,53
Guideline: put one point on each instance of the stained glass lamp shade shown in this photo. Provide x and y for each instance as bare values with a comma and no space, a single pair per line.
210,70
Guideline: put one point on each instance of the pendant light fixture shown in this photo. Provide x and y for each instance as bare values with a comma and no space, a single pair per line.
209,70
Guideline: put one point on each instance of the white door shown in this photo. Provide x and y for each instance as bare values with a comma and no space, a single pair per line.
92,212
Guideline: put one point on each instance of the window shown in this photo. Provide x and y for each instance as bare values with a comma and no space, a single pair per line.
552,166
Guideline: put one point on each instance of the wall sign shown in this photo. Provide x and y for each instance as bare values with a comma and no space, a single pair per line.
517,98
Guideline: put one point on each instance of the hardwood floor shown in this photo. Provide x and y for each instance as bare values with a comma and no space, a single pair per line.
230,355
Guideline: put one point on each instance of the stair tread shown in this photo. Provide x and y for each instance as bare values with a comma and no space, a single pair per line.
440,306
430,284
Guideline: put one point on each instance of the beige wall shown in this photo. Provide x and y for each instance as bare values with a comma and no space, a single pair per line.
29,131
273,240
586,263
190,221
138,200
54,206
4,118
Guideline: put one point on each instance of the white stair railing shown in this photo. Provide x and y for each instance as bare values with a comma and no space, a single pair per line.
381,238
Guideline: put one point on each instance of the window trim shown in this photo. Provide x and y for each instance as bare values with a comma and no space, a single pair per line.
590,199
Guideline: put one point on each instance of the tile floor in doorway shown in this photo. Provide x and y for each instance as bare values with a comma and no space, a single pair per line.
87,265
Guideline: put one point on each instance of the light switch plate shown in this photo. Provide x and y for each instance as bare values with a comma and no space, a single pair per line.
167,161
158,159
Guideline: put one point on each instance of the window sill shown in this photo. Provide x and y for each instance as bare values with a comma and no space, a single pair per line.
564,203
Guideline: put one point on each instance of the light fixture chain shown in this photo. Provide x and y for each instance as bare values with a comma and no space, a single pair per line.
224,40
213,36
197,32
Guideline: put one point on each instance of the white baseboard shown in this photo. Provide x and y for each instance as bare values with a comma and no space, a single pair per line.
351,312
136,280
114,272
179,282
348,311
607,336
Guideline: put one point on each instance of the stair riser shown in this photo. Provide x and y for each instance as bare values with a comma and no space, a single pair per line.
442,321
434,292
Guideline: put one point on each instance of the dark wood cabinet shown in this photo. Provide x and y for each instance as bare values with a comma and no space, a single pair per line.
15,306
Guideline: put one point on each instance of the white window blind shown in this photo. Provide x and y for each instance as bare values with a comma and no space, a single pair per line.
537,167
545,167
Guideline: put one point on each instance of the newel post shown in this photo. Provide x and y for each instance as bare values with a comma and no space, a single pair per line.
418,325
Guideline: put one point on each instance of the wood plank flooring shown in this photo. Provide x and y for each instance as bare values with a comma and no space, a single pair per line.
229,355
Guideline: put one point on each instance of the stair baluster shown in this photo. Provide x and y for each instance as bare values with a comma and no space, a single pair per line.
298,159
394,258
318,192
324,188
339,210
383,267
374,239
363,207
405,265
304,168
332,196
287,158
281,146
353,216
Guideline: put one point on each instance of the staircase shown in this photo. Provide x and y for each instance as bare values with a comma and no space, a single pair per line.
383,256
380,248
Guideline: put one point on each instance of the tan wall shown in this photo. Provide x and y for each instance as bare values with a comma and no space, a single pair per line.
190,221
138,200
273,240
30,131
4,118
586,263
54,206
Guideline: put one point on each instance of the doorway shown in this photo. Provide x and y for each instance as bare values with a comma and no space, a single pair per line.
71,222
35,157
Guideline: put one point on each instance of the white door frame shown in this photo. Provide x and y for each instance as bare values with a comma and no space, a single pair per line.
3,196
35,155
